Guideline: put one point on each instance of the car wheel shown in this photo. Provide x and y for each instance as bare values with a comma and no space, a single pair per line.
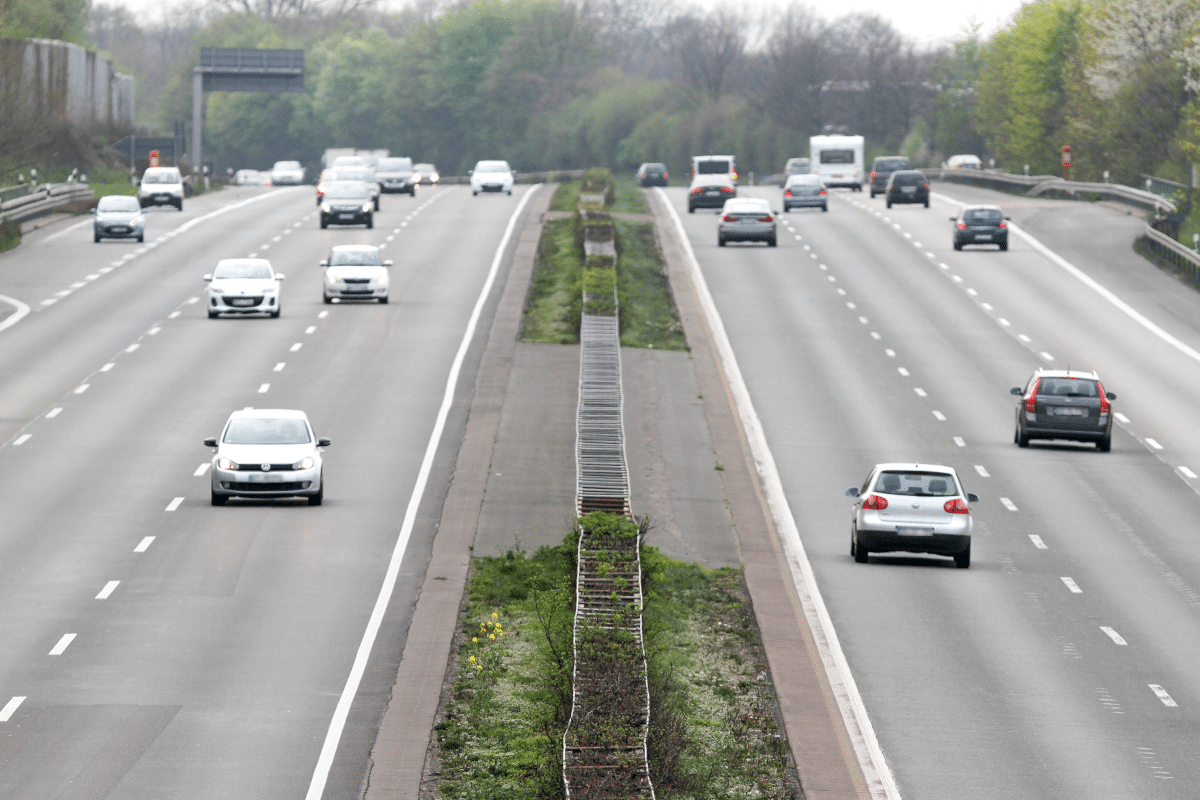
786,208
720,241
872,194
370,222
328,300
824,208
889,203
275,314
771,242
376,203
1105,444
963,560
142,238
324,224
219,499
473,193
96,236
927,202
691,209
319,497
383,301
860,553
1021,438
957,245
1004,245
213,314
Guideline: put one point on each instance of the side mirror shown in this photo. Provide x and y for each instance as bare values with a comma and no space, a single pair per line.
1110,395
324,262
954,219
1008,217
388,262
470,172
278,276
852,491
93,212
972,497
210,441
208,277
1016,390
323,443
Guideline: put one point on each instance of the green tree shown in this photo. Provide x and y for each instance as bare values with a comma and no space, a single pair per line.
44,19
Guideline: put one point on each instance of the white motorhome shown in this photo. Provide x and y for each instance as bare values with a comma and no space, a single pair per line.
838,160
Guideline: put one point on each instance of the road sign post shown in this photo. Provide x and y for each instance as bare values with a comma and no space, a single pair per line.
1066,161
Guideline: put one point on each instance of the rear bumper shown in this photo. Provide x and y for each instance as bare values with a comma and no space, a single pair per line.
943,544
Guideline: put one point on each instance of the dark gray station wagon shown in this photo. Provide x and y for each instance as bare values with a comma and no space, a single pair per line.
1064,404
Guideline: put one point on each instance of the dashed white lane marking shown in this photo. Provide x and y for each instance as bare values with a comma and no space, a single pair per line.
986,306
960,441
851,306
841,292
1009,504
1159,692
23,438
154,330
1004,322
264,388
902,371
200,470
957,278
279,367
1187,473
1046,356
875,335
54,412
295,347
107,367
310,329
1024,338
173,315
11,707
174,504
1116,637
48,301
939,416
132,347
1072,585
920,392
108,589
929,255
1121,417
193,300
832,279
143,545
62,645
323,315
83,387
1153,444
983,473
890,352
1037,542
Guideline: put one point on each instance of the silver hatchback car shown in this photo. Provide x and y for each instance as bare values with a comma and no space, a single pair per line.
267,452
915,508
747,219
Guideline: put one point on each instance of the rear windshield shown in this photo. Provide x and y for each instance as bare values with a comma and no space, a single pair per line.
1068,387
287,430
161,176
982,216
242,269
118,203
355,258
908,178
916,484
891,164
837,156
713,166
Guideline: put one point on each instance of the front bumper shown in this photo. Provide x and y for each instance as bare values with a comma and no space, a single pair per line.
276,483
343,217
160,199
356,291
396,185
243,304
746,233
119,230
492,187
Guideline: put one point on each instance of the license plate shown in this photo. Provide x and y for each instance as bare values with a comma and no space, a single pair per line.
119,229
711,193
904,531
1063,411
345,216
357,291
983,237
908,189
241,301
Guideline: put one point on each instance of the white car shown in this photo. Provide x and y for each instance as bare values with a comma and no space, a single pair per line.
491,176
250,177
963,162
243,286
356,272
267,452
161,186
287,173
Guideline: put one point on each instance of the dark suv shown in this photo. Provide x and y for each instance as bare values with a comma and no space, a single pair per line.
907,186
1064,404
883,168
653,174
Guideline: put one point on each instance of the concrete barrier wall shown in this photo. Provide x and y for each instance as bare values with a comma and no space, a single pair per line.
52,81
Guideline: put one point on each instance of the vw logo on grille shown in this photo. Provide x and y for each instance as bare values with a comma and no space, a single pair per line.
915,505
267,468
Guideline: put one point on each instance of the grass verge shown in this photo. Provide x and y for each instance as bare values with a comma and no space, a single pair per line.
714,720
648,314
10,235
553,308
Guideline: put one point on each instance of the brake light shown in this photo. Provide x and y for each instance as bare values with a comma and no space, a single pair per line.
962,226
872,176
926,185
1002,225
875,502
728,218
698,190
1104,405
727,189
1031,401
822,191
767,218
956,506
788,193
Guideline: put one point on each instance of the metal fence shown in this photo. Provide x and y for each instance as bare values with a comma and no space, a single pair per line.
1052,186
1172,253
28,202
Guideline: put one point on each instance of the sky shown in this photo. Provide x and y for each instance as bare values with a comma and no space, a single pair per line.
925,21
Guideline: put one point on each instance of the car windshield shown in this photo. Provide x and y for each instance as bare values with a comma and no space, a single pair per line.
118,203
259,430
982,216
424,168
713,166
363,175
1068,387
916,484
161,176
492,166
355,258
394,165
258,270
354,191
837,156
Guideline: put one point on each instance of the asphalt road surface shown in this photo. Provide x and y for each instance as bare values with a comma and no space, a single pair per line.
1062,663
152,645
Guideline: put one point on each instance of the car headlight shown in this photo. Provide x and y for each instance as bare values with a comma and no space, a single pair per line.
416,177
305,463
382,280
226,463
326,208
333,278
138,220
434,177
366,208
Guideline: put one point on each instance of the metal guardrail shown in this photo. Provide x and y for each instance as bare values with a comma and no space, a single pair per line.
1172,252
43,199
1042,185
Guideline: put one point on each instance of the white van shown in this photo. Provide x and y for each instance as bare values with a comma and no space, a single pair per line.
838,160
161,186
715,165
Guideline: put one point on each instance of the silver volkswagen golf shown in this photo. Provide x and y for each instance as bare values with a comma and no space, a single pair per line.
267,452
916,508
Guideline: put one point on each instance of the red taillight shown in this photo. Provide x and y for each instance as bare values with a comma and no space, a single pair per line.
698,190
822,192
666,176
1104,405
767,218
962,226
728,218
875,502
956,506
1002,225
1031,402
788,193
926,185
872,176
727,189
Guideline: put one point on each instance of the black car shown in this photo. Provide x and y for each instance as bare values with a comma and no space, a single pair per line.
347,203
883,168
907,186
653,174
710,191
980,225
1064,404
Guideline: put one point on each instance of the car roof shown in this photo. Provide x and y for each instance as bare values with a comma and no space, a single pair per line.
1066,373
805,177
981,207
268,413
349,248
243,261
918,467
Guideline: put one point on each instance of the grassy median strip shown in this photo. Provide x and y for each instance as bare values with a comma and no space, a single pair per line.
648,314
713,731
553,307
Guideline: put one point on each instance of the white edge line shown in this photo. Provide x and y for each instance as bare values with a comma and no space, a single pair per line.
336,725
881,783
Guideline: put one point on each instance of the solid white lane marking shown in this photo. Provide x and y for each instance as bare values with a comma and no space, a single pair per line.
1155,445
23,438
279,367
54,412
203,468
82,388
1072,585
1037,542
1009,504
174,504
342,712
295,347
10,708
108,589
920,392
939,416
59,648
1187,473
1121,417
310,329
960,441
1116,637
107,367
983,473
1159,692
902,371
143,545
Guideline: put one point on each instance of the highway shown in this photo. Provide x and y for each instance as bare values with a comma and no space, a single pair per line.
1062,663
152,645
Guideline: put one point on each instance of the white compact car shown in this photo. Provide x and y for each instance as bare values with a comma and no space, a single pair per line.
356,272
491,176
267,452
161,186
243,286
287,173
